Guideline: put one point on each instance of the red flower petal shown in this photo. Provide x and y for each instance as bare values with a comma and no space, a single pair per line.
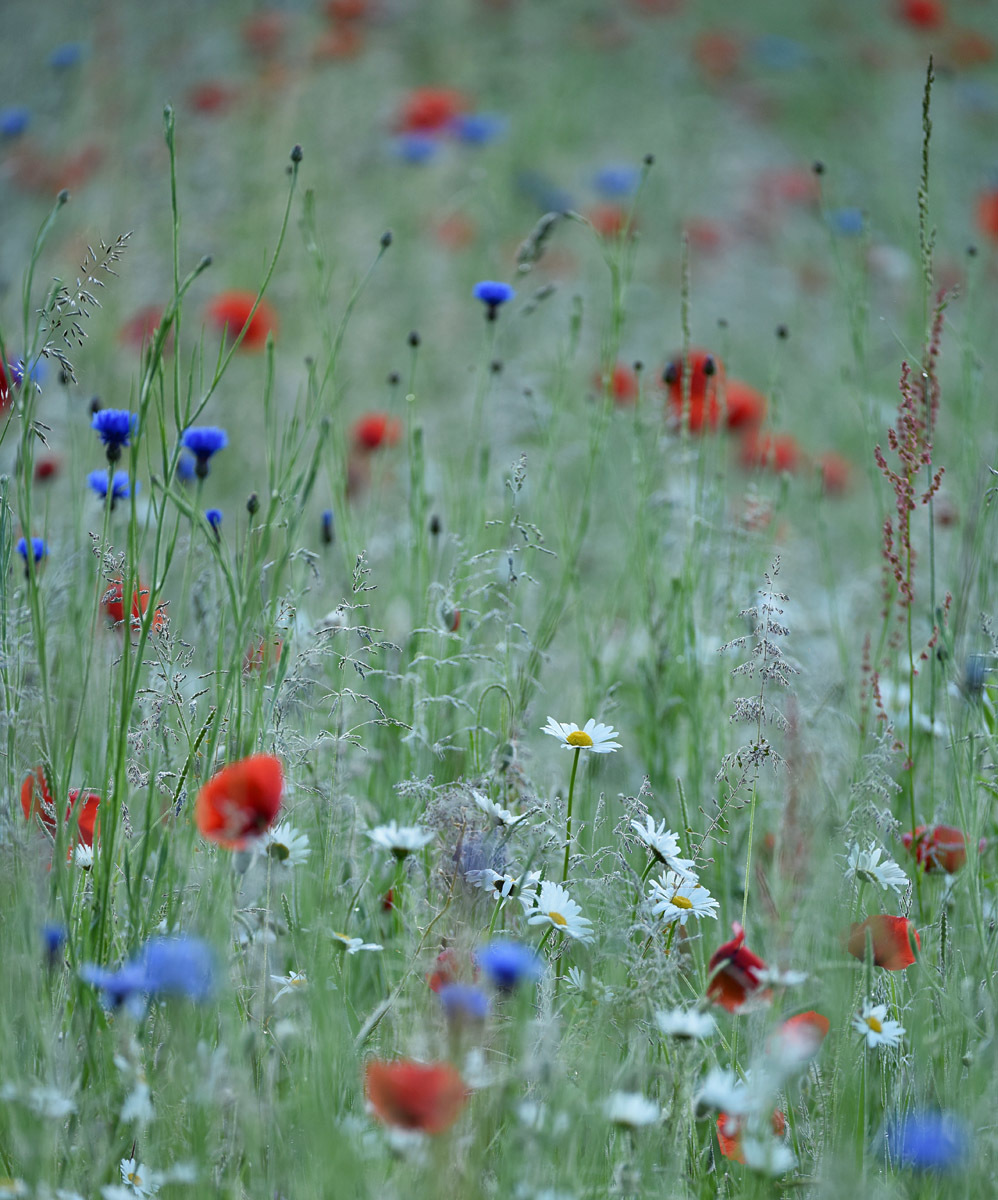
231,311
412,1095
241,801
891,936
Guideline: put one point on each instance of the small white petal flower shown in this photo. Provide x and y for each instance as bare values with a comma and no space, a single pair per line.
592,736
865,865
138,1178
287,845
631,1109
400,840
502,886
872,1023
50,1102
83,856
556,908
677,898
768,1155
686,1023
354,945
724,1091
138,1105
664,844
501,818
294,981
774,977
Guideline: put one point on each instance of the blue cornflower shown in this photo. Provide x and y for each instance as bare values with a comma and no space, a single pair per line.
415,148
166,966
53,939
38,549
478,129
185,468
120,486
463,1002
36,372
492,294
115,426
14,120
66,55
327,527
508,964
618,180
204,441
778,53
543,192
928,1141
848,221
214,518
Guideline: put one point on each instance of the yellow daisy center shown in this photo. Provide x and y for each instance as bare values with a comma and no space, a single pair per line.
874,1024
557,918
579,738
681,901
135,1178
342,937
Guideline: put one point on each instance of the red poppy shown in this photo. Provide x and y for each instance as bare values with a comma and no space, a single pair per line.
729,1134
968,48
112,603
622,384
772,451
140,329
704,234
794,185
430,109
744,405
46,468
346,10
36,801
922,14
446,968
212,97
716,54
941,848
892,941
835,473
609,220
241,801
264,32
987,213
4,387
345,41
412,1095
800,1037
455,232
706,372
262,656
375,430
230,311
734,972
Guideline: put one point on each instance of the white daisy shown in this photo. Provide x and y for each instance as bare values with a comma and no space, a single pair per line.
686,1023
400,840
724,1091
354,945
865,865
768,1155
592,736
555,907
83,856
664,844
502,886
50,1102
677,898
287,845
774,977
872,1023
631,1109
501,818
139,1178
294,981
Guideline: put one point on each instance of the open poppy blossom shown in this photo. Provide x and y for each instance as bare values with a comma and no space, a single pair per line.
241,801
622,384
112,602
777,452
734,972
745,406
411,1095
703,403
921,14
799,1038
894,941
987,213
230,311
430,110
375,430
941,848
36,801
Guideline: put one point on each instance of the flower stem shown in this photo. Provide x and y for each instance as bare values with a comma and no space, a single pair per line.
568,818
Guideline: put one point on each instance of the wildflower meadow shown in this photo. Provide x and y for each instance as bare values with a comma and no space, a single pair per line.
498,599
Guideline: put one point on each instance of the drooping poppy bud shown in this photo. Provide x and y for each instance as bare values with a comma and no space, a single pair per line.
733,972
